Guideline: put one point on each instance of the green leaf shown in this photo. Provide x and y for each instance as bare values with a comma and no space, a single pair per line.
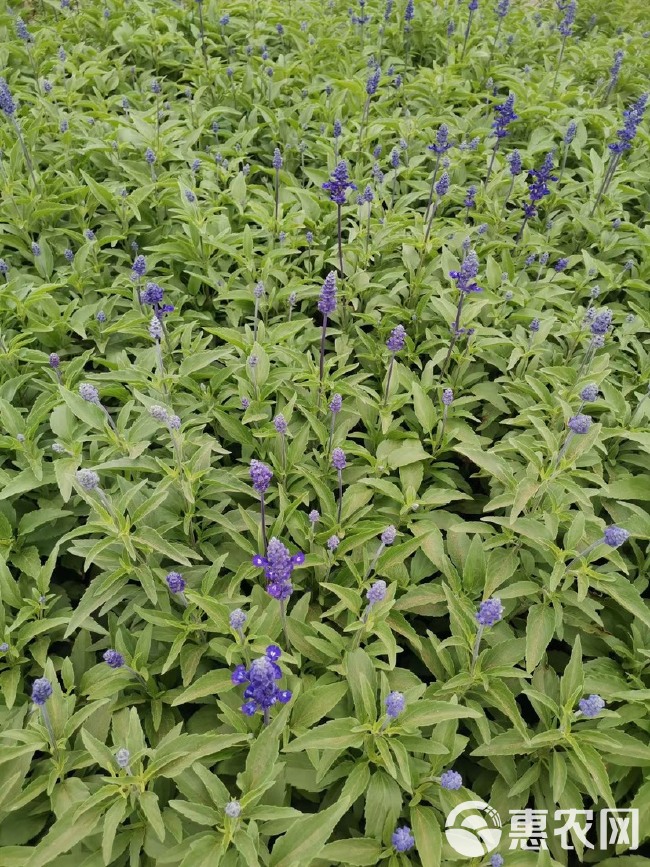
428,839
363,684
336,734
357,852
429,712
306,838
213,683
540,628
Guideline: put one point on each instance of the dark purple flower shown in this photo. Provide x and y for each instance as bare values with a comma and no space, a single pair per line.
464,278
441,144
327,298
470,198
113,658
278,565
570,133
505,115
602,322
373,82
175,582
262,692
339,183
442,186
514,163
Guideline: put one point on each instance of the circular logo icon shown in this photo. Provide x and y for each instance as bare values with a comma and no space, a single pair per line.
473,829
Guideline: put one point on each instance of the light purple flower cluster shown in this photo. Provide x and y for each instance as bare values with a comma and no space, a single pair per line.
591,706
397,339
41,691
490,612
402,839
579,423
278,566
615,536
395,704
451,780
261,476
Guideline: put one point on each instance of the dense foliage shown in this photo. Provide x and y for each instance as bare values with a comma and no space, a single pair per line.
324,428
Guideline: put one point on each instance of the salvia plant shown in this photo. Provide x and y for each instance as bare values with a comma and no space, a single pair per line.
324,429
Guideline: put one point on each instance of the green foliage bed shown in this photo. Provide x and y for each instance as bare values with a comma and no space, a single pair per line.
170,285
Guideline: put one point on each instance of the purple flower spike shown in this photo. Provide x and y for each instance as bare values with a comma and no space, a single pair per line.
395,704
113,658
580,423
339,184
327,298
397,339
589,393
339,461
278,566
615,536
261,476
262,691
41,691
175,582
490,612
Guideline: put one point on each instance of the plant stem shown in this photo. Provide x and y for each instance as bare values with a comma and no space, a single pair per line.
475,649
340,239
433,184
322,347
23,146
263,521
559,63
390,373
509,193
338,517
469,24
489,171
